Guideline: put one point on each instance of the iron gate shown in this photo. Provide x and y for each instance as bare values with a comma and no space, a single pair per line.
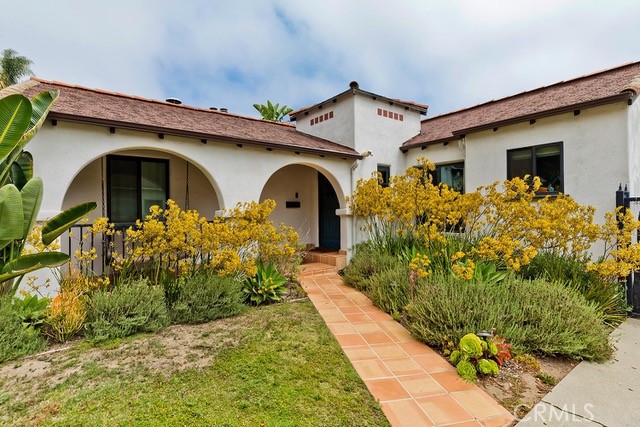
632,283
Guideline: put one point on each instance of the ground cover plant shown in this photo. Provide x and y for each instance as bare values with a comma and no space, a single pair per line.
274,365
16,340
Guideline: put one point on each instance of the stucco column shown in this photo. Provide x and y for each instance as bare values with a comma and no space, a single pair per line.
346,231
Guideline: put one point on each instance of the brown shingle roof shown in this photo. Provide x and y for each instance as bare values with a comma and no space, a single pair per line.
611,85
81,104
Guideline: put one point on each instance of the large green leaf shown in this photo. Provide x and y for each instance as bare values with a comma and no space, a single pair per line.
15,116
11,215
31,199
28,263
41,104
20,171
61,222
25,161
17,176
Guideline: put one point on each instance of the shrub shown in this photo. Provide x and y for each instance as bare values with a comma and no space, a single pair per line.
131,307
607,298
172,242
365,263
389,289
16,340
32,310
534,316
67,315
206,297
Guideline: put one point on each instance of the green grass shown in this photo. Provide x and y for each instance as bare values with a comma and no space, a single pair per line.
279,365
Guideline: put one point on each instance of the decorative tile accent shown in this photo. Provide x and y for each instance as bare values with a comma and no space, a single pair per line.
321,118
390,115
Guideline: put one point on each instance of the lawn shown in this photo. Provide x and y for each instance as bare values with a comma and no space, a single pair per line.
276,365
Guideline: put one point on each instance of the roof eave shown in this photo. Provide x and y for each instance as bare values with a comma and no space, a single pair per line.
623,96
197,135
423,144
460,133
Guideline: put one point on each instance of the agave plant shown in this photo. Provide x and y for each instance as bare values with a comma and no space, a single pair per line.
21,192
266,286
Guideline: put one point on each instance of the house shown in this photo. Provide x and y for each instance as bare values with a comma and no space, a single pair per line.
581,136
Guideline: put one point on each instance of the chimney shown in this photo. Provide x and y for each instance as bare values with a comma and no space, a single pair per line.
174,101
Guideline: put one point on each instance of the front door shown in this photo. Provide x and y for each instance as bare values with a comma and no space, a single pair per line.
329,222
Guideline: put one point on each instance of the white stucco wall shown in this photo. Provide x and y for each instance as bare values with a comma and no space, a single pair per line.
237,174
594,152
381,135
282,187
339,129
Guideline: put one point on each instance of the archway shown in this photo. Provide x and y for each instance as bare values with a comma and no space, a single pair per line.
307,200
125,184
187,183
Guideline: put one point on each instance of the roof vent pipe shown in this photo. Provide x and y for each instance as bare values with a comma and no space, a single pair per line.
224,110
174,101
213,108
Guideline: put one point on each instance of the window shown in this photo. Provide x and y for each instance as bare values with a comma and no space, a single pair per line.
452,175
134,184
544,161
385,171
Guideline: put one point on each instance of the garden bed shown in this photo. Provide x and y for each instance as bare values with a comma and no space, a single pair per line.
518,388
273,365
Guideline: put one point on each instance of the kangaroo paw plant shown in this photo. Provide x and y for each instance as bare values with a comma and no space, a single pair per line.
476,355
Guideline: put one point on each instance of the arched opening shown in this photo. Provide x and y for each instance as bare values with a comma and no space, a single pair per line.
125,184
307,200
186,183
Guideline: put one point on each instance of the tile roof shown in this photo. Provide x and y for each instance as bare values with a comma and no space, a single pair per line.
602,87
100,107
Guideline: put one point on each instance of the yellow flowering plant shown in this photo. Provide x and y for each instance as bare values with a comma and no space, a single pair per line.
173,242
505,223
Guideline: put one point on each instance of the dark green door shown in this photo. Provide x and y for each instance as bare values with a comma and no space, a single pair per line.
329,221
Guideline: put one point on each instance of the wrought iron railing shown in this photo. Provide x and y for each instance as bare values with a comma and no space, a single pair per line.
80,238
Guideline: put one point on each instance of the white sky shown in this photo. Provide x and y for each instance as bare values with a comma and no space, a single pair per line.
447,54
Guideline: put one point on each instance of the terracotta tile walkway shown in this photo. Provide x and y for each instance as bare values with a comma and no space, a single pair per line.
414,385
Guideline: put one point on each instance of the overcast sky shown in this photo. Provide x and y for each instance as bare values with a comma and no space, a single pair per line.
447,54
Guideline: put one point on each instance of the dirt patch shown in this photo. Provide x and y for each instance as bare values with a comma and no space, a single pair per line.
173,349
520,386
